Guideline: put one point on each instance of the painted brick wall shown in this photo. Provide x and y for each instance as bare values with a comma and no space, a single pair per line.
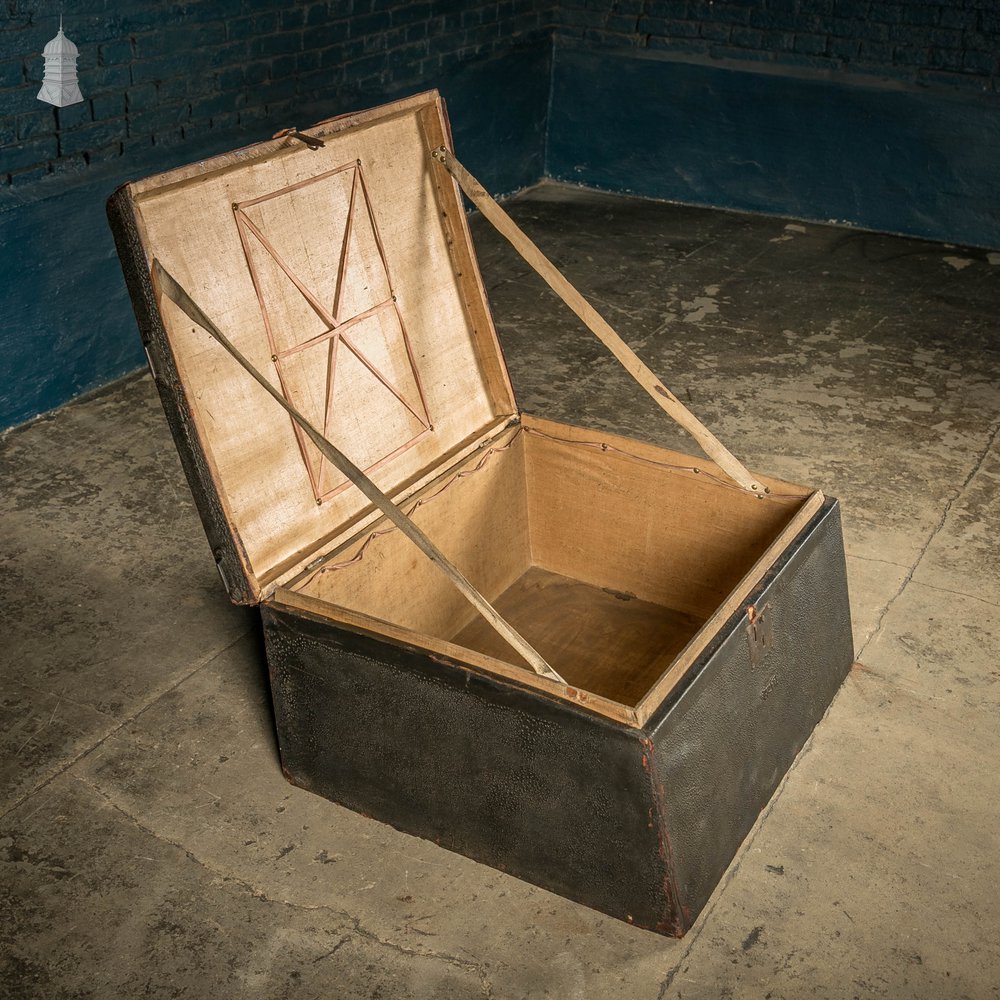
168,83
949,43
162,74
883,115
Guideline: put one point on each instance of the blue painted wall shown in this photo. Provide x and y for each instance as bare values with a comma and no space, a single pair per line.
884,155
66,325
881,114
877,113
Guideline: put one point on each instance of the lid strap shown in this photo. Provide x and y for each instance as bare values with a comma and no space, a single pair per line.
165,284
596,323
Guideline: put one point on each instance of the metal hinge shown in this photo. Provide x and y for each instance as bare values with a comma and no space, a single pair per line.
310,140
760,633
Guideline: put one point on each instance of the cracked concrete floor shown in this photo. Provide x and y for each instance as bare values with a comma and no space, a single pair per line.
149,845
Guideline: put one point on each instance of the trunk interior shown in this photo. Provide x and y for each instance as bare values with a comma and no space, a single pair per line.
607,557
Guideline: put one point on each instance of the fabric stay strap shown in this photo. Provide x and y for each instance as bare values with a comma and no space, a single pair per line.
165,284
509,229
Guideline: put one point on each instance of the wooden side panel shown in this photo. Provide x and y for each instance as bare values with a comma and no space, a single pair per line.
512,778
724,738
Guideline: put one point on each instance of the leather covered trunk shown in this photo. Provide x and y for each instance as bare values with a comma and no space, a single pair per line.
698,630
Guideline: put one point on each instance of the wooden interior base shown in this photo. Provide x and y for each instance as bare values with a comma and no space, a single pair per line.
607,642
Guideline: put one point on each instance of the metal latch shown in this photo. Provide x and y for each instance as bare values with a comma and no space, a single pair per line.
310,140
760,633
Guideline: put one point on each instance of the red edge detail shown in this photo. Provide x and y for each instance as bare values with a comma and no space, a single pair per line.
675,920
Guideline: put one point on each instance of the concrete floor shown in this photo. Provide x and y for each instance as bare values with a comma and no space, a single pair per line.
150,846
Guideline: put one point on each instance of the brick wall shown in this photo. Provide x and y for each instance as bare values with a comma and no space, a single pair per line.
160,74
168,82
953,43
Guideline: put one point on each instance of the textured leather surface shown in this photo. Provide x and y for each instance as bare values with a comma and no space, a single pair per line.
121,217
640,824
724,742
509,777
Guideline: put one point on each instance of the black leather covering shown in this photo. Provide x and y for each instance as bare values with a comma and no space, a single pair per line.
725,740
507,776
640,824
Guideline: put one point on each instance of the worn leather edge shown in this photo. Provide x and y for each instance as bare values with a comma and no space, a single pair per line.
778,707
672,920
230,558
